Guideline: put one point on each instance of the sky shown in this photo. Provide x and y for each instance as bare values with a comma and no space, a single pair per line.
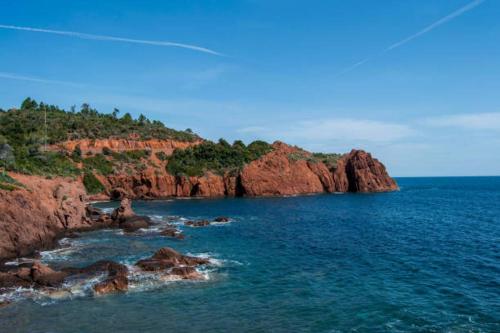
415,82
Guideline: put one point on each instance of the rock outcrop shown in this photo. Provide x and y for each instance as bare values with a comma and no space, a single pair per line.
170,262
97,146
34,275
126,219
33,217
286,170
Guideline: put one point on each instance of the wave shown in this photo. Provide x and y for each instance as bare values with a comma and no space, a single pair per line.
139,281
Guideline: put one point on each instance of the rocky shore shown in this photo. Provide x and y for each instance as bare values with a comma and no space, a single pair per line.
41,211
166,262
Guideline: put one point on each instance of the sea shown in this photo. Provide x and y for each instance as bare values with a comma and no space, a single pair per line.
422,259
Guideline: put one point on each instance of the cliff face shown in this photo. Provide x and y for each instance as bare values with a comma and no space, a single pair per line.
96,146
33,218
276,173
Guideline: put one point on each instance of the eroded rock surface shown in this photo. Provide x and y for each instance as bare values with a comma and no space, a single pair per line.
286,170
172,262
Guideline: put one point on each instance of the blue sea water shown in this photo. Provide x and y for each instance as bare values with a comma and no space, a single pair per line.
424,259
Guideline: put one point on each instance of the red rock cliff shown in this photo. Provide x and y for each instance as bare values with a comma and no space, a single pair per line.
284,171
33,217
96,146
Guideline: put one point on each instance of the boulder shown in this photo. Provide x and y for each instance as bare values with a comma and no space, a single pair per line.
117,283
113,268
43,275
31,275
222,219
172,232
135,223
168,258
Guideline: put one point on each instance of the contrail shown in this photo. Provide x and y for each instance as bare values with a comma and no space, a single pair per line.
112,38
436,24
427,29
12,76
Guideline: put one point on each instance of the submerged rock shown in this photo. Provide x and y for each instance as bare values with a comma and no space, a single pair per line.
201,223
172,232
111,267
116,281
188,273
222,219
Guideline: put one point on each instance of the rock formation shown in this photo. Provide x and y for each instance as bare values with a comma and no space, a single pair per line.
279,172
34,217
168,261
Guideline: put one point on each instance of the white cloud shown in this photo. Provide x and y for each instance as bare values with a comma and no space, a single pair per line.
335,129
478,121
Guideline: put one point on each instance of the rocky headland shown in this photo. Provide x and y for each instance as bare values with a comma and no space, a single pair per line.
46,191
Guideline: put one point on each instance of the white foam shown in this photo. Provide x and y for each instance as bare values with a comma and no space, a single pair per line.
108,210
19,261
71,289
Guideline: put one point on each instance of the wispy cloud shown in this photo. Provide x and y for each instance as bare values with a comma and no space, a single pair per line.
425,30
478,121
334,129
13,76
112,38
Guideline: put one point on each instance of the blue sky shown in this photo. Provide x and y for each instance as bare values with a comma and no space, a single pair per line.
319,74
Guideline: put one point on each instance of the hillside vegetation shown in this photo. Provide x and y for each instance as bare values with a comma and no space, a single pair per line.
23,135
217,157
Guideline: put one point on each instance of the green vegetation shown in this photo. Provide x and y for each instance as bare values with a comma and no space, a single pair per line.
218,157
161,156
98,163
22,135
8,183
330,160
92,184
44,163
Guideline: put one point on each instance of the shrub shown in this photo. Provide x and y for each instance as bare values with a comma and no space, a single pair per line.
107,151
99,163
217,157
330,160
161,156
92,184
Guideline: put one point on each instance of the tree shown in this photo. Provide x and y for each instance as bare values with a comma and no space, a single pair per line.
85,109
127,118
115,113
142,119
28,104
